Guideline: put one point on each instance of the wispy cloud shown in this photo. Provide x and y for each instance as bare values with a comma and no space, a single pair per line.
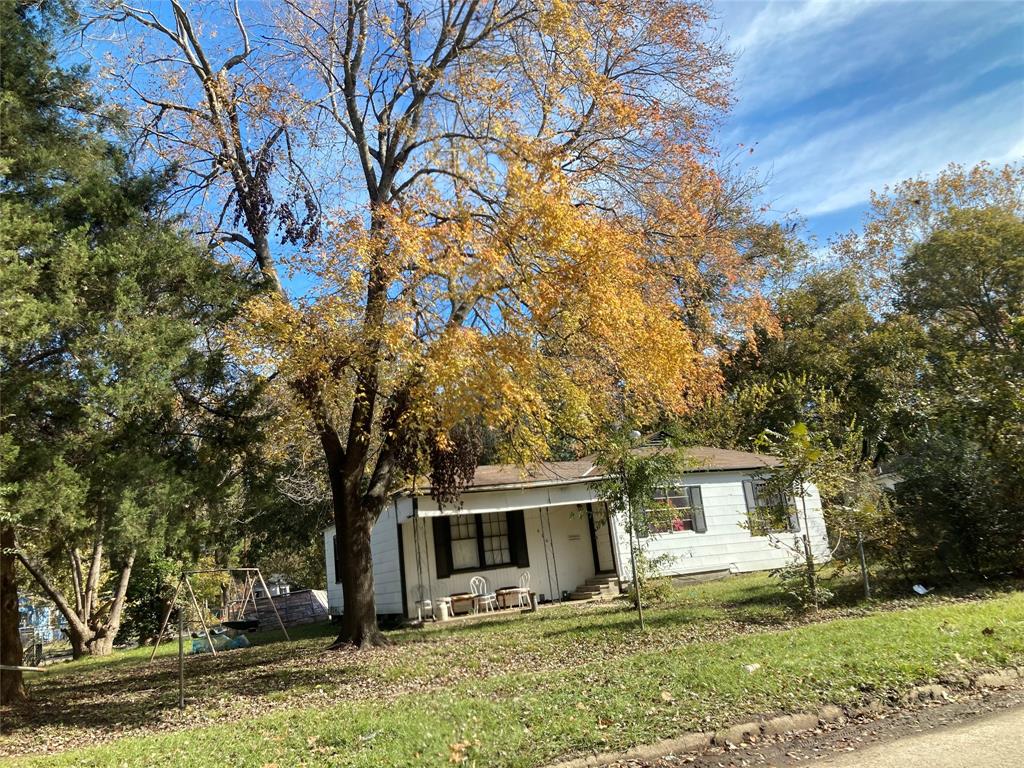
846,97
792,51
838,169
784,22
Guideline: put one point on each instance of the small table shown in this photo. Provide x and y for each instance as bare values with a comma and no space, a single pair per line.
461,598
508,597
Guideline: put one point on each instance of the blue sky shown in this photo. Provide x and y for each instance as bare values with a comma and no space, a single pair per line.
839,98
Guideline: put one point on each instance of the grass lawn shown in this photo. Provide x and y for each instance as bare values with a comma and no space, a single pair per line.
515,691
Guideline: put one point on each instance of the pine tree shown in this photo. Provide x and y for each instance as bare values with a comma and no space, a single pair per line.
119,415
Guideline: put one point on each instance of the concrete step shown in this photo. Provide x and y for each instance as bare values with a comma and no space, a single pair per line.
611,589
601,586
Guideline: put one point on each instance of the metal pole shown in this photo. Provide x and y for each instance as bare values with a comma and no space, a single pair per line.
863,566
244,601
554,557
250,596
202,619
181,657
167,618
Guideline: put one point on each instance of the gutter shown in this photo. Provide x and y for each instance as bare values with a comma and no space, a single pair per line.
526,485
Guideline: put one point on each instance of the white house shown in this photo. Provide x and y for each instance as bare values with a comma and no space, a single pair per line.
548,519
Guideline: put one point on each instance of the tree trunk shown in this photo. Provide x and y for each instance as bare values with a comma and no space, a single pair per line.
103,645
113,622
12,686
88,636
90,643
81,638
812,576
354,526
77,641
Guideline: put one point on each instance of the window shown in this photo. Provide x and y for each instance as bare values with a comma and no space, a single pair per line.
678,508
477,542
479,539
465,552
495,539
768,512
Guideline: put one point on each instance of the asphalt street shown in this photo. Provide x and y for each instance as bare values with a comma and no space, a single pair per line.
995,740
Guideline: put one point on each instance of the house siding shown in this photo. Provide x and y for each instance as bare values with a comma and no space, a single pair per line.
561,529
559,546
387,576
728,544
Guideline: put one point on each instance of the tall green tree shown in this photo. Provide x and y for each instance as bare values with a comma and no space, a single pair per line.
120,411
829,340
913,331
963,450
32,93
901,217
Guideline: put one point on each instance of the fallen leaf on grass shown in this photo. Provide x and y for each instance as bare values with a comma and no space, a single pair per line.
458,750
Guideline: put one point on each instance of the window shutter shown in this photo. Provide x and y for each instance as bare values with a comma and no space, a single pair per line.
443,547
748,494
753,518
700,525
517,539
794,515
337,560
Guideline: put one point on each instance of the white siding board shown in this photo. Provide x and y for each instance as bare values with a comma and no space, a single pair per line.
558,541
387,578
728,544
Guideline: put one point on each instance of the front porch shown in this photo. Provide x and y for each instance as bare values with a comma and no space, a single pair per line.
557,552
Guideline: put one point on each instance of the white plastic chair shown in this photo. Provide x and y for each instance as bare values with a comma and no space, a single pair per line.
425,604
482,596
523,592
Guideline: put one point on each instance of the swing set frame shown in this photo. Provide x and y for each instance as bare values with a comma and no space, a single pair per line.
252,575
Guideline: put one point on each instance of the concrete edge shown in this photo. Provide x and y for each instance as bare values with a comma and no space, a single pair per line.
782,725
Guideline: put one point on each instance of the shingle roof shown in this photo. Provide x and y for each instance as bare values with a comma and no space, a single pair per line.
699,459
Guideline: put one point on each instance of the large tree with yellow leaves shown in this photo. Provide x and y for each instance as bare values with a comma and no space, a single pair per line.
467,212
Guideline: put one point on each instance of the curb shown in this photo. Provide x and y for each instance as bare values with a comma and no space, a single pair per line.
698,742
